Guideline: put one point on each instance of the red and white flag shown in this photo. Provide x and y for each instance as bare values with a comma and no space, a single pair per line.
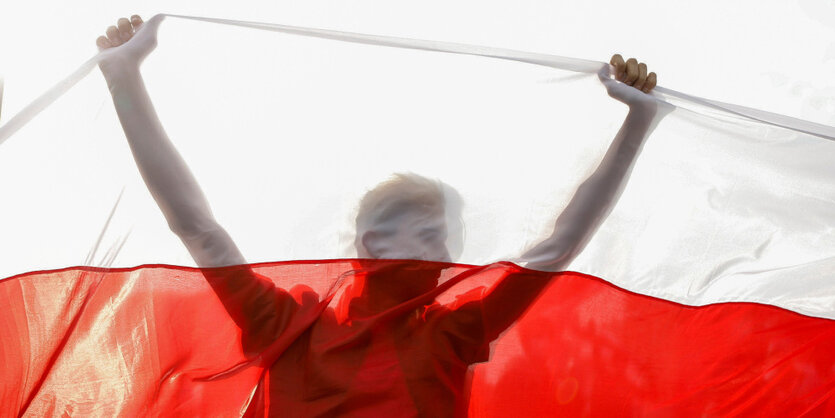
706,290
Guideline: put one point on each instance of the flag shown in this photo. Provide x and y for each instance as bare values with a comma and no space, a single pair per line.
705,290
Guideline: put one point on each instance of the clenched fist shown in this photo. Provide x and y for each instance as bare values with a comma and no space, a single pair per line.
126,45
633,73
119,34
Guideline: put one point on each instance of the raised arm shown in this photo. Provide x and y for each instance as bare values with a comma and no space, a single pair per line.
508,299
260,309
166,174
598,194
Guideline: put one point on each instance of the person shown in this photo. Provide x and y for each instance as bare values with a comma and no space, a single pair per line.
388,348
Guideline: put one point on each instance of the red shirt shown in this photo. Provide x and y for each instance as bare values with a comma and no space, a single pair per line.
408,360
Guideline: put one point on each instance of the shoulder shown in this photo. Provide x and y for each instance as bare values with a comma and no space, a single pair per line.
461,325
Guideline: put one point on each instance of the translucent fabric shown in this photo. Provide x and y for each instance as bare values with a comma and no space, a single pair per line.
701,284
304,340
711,198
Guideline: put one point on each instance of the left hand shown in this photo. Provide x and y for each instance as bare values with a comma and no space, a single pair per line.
633,73
633,83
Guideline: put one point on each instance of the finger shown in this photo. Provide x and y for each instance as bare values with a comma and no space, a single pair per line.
125,29
102,42
113,36
631,71
620,66
642,76
136,21
652,81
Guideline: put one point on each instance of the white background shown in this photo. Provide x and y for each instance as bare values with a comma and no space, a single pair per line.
776,55
61,174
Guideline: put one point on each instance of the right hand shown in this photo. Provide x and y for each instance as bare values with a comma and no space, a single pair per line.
127,44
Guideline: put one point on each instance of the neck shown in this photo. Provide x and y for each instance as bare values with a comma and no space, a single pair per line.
388,284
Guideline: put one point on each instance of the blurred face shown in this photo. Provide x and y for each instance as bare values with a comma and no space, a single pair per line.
416,232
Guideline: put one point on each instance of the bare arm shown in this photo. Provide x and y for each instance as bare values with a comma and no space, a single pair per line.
508,299
597,195
166,174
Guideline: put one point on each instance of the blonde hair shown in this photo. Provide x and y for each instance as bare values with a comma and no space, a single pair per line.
402,191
